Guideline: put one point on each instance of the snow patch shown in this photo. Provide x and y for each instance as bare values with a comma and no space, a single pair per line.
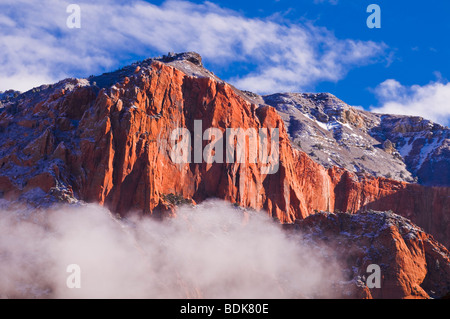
406,149
426,150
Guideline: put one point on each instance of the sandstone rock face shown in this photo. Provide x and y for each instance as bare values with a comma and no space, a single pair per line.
412,264
425,206
109,142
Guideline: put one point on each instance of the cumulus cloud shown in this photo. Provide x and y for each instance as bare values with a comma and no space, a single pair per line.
37,46
430,101
209,251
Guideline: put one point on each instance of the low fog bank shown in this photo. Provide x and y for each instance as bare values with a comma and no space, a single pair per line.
209,251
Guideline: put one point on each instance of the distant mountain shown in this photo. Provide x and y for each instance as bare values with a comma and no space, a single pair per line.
333,133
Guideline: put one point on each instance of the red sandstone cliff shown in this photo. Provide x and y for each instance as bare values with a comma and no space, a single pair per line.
412,264
108,144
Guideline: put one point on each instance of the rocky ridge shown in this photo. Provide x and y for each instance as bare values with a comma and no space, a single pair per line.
412,263
333,133
104,139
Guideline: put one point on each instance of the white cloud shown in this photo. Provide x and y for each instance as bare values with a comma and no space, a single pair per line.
304,56
37,45
431,101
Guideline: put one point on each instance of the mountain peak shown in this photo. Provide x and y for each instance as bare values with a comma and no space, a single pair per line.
189,63
192,57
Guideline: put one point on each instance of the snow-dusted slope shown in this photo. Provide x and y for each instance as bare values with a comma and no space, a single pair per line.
335,134
424,146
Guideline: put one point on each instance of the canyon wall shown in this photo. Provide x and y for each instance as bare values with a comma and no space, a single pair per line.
111,144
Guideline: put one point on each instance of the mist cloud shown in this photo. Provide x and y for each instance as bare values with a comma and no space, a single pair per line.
208,251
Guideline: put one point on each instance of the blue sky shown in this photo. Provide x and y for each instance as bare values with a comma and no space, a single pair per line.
266,46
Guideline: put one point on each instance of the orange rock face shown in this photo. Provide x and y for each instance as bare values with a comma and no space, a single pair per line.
411,263
111,146
428,207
